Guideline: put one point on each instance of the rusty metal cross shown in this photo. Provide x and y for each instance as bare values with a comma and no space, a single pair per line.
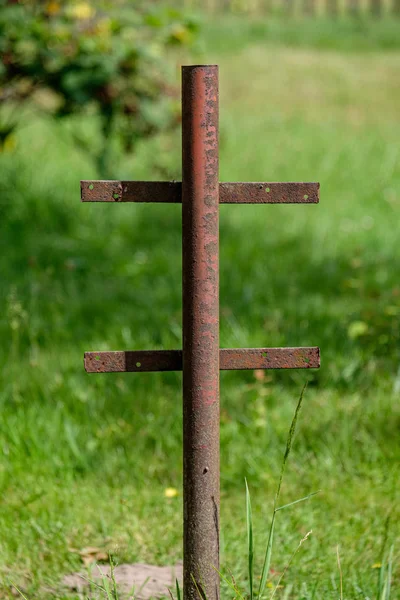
201,358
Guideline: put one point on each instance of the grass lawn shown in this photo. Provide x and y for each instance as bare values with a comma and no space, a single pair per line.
85,460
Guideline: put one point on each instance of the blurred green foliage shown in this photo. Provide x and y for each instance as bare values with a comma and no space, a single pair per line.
101,58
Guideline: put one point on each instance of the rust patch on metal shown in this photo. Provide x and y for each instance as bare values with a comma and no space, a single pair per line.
270,358
269,193
132,362
131,191
171,191
137,361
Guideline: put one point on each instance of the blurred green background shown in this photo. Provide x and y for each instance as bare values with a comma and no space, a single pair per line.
91,90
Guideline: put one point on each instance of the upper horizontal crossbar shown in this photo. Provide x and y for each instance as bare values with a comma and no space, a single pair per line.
230,359
171,191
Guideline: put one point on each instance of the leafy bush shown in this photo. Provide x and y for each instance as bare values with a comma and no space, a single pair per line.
99,58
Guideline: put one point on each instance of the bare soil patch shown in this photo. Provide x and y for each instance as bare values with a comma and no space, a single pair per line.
139,580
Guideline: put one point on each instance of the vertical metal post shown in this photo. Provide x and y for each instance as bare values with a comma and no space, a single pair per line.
200,267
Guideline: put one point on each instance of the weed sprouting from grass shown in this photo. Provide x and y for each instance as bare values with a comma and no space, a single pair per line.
113,580
276,508
102,588
108,585
249,521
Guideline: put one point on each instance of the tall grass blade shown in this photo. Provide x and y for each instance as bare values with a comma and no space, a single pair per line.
19,591
107,590
170,594
297,501
93,583
389,574
381,591
267,558
314,590
231,584
201,591
289,563
178,590
111,592
385,577
289,443
381,582
250,545
235,585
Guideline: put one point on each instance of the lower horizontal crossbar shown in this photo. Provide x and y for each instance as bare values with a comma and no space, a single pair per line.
230,359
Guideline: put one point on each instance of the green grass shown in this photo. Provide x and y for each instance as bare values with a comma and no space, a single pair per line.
85,460
225,32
